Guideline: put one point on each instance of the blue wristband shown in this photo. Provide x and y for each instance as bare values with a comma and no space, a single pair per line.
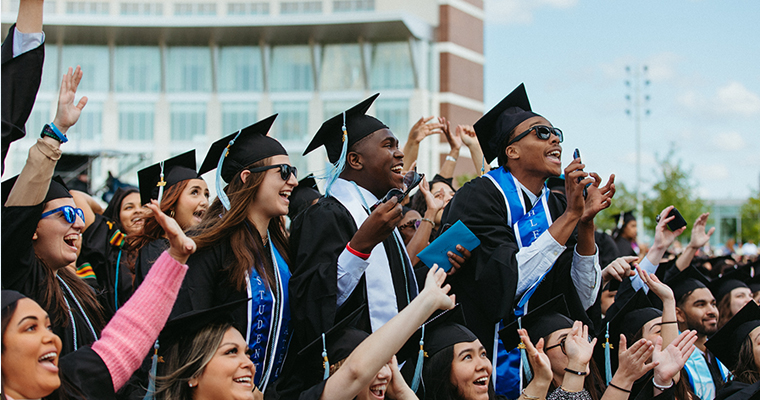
58,133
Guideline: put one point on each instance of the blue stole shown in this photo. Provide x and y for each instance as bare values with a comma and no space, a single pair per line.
528,224
700,378
269,321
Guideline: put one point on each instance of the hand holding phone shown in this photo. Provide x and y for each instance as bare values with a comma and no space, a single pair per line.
577,154
677,223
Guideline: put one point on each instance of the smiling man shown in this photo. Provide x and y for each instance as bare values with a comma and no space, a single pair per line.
344,256
529,249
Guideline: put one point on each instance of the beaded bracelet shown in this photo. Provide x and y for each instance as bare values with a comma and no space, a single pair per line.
428,220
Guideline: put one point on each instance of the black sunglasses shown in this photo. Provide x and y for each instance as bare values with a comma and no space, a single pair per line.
285,170
543,132
411,180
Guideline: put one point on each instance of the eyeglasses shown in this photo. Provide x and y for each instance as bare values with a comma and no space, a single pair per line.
561,345
543,132
285,170
69,212
415,223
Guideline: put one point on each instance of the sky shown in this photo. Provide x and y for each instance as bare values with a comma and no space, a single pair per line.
703,60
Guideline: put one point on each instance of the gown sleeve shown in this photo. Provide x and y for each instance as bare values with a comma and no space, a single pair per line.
21,271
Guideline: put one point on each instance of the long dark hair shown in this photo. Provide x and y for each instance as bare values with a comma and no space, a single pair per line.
745,370
113,210
152,230
53,299
436,377
232,226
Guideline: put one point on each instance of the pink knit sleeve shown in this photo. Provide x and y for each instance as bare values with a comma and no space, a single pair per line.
132,331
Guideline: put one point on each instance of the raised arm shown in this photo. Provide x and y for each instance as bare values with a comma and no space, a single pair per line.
455,143
420,130
470,139
377,350
699,237
29,16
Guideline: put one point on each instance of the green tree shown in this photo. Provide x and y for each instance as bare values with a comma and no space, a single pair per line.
751,219
624,200
674,187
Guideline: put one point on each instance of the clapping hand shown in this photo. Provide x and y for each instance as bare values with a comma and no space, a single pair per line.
661,290
671,360
598,198
180,246
632,362
577,346
539,361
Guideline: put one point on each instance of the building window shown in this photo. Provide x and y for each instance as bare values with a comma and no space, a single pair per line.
236,116
291,69
255,8
353,5
341,67
136,121
188,121
395,114
391,66
94,61
190,69
142,9
199,9
293,120
50,76
240,69
137,69
300,7
90,123
87,7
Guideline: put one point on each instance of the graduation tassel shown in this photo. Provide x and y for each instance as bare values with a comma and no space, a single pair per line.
161,183
524,356
483,166
607,363
332,176
324,357
420,359
153,370
218,184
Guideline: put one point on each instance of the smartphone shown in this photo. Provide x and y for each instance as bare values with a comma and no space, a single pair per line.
577,154
677,223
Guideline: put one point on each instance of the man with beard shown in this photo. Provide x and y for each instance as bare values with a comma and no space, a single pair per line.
696,310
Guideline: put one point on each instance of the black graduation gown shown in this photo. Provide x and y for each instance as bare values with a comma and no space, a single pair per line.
735,390
100,248
84,375
318,236
486,284
624,247
23,272
147,256
21,78
607,248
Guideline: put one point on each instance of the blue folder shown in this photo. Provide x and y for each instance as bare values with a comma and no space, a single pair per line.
437,251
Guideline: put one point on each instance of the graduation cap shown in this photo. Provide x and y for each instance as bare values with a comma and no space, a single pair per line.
56,190
303,195
10,297
751,274
727,283
494,127
233,153
686,281
438,178
628,320
623,218
341,132
540,322
726,343
159,177
338,342
612,285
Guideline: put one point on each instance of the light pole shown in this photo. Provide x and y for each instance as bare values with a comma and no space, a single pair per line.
637,98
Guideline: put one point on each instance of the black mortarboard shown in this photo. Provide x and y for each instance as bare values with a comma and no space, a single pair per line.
56,190
494,127
686,281
357,123
338,342
174,170
303,195
725,343
725,284
438,178
612,285
541,322
250,144
623,218
187,325
9,297
751,275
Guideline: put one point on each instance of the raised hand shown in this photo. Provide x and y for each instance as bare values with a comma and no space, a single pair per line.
397,388
579,350
467,133
618,269
661,290
422,129
180,246
664,237
539,361
700,237
68,112
433,204
632,362
433,289
598,198
454,139
671,360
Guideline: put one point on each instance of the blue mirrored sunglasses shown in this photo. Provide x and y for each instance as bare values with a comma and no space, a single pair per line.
69,212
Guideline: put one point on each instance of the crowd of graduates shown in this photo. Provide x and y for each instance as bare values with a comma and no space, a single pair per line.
277,290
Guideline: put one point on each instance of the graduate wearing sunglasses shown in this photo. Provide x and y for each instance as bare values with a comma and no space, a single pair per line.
530,248
41,228
243,246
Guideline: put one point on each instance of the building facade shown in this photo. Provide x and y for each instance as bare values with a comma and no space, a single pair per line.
163,77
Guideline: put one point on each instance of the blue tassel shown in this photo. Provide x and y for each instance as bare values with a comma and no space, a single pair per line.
218,184
607,363
524,357
324,357
340,165
116,282
153,371
420,359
